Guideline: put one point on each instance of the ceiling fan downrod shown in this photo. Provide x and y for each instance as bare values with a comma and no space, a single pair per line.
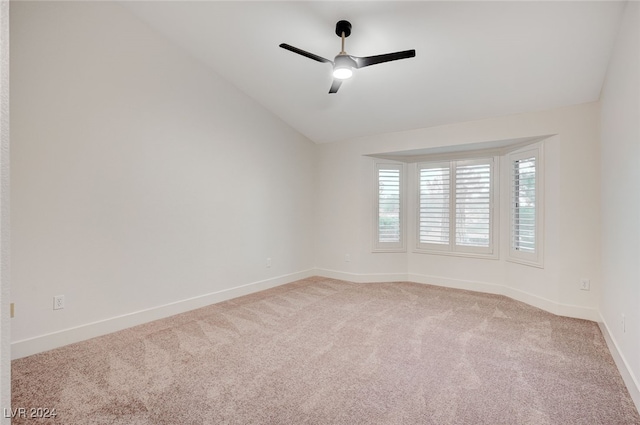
343,30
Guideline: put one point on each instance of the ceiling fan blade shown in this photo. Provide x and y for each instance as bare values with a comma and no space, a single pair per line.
304,53
335,86
387,57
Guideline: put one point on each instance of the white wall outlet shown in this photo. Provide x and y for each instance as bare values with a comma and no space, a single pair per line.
347,258
58,302
268,262
585,284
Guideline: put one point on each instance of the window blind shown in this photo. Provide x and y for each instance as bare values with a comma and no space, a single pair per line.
473,205
389,205
523,205
455,206
434,205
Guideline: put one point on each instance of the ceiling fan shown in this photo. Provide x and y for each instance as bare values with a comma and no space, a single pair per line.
343,64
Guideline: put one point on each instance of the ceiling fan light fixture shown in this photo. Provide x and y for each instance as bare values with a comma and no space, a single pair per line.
343,67
343,73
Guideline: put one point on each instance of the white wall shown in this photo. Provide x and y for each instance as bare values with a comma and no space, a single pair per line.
5,293
620,151
572,217
139,178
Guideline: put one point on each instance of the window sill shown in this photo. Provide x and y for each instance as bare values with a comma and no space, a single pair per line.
491,256
388,250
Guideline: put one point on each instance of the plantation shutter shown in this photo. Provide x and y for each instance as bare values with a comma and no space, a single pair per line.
389,207
473,204
523,205
455,206
434,204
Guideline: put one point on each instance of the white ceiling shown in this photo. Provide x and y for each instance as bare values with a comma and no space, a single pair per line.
473,59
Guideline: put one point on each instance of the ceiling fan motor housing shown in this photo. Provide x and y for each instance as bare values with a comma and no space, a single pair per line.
343,27
344,60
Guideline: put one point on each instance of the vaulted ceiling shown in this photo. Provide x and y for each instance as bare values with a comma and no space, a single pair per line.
473,60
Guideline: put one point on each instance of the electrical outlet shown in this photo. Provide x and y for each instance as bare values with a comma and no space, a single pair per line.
58,302
12,309
585,284
347,258
268,262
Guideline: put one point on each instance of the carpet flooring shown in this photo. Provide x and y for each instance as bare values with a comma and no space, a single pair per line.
323,351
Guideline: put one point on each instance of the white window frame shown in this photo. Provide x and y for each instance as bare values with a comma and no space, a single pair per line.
535,258
399,246
452,248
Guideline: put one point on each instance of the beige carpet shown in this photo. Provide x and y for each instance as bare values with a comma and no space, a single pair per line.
322,351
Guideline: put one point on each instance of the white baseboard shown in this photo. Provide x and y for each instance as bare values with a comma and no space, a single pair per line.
628,377
38,344
490,288
362,277
469,285
29,346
